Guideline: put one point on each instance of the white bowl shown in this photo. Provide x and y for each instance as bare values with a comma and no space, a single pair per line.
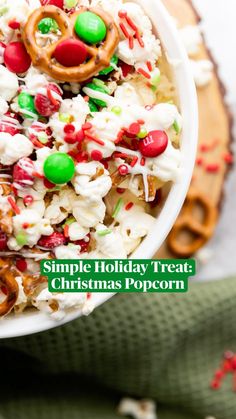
34,321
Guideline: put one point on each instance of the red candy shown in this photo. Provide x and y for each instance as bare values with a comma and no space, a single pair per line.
54,240
123,169
21,265
96,155
47,105
22,172
71,52
154,144
16,58
3,241
57,3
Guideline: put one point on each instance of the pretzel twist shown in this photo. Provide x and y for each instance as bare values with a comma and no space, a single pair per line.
199,231
7,279
42,58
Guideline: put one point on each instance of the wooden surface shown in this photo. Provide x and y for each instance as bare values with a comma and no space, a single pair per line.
214,122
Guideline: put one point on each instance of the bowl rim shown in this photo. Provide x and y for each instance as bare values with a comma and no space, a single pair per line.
30,323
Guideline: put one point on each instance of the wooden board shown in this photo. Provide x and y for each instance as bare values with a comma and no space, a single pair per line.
215,128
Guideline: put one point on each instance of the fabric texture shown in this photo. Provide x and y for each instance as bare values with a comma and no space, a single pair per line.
160,346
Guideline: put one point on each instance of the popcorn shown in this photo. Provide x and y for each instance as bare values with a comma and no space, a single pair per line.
13,148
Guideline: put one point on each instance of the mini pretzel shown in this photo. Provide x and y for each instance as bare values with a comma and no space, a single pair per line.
7,279
199,232
43,57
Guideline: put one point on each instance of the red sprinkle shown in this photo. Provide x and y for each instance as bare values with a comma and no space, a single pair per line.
139,38
38,175
13,204
95,139
69,128
86,126
120,190
81,157
129,206
199,161
149,65
212,167
28,200
143,161
117,155
96,155
215,384
21,265
119,137
141,121
134,161
143,72
80,136
25,226
131,23
122,14
124,30
123,169
134,128
131,42
70,138
228,158
13,24
66,230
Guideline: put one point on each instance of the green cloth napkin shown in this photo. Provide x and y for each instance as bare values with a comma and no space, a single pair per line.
160,346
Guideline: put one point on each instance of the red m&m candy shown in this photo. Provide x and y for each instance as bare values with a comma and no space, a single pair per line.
16,58
71,52
154,144
57,3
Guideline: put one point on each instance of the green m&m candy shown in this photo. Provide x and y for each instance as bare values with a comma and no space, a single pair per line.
59,168
47,25
26,105
90,28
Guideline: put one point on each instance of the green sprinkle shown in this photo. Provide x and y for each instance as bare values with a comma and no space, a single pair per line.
70,3
65,117
176,127
100,83
113,63
117,208
116,110
21,239
92,106
102,233
43,138
70,221
142,133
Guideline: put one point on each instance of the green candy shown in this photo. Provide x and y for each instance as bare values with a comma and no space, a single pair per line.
21,238
59,168
109,69
90,28
47,25
26,103
101,89
92,106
